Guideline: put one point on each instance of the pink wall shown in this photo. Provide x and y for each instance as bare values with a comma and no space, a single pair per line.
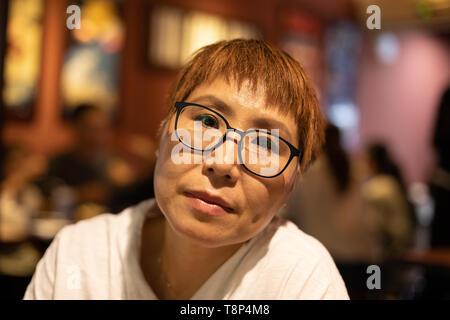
398,102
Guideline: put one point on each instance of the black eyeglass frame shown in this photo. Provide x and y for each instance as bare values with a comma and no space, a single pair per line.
179,106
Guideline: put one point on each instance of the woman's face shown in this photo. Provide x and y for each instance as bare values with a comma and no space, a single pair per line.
251,200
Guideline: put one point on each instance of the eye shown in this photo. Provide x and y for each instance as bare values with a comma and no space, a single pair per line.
265,142
207,120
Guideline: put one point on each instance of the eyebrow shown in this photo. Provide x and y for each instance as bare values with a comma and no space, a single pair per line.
262,123
216,103
270,124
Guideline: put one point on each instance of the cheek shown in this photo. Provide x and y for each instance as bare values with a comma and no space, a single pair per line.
265,198
166,171
169,172
262,203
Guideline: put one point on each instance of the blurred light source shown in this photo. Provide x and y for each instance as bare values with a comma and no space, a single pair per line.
344,115
199,30
176,34
420,196
91,64
387,47
23,53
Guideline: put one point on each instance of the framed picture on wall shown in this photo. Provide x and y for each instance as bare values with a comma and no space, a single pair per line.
175,33
22,57
91,67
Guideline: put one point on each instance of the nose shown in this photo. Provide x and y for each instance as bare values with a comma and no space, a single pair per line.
224,160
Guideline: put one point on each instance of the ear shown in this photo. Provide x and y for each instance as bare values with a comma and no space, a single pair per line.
295,181
298,177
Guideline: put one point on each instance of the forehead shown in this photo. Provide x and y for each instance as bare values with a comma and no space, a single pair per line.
245,104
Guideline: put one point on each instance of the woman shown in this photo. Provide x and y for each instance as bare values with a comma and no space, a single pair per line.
329,206
439,183
389,215
211,230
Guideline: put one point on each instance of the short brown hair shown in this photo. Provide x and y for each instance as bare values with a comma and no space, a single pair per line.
286,84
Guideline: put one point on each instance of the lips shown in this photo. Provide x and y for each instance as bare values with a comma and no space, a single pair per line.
210,199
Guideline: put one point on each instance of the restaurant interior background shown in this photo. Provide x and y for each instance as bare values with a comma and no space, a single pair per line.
80,110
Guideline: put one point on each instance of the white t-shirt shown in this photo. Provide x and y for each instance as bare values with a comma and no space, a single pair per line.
98,258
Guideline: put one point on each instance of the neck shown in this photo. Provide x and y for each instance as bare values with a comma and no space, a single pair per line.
183,256
183,264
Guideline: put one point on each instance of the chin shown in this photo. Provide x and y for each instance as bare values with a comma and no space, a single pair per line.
201,233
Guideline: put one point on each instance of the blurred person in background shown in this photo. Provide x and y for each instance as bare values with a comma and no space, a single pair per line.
95,177
20,201
328,205
19,198
132,172
80,175
440,180
388,211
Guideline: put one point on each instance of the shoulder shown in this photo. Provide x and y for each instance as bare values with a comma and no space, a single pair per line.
102,230
87,236
93,243
90,251
94,227
302,262
286,238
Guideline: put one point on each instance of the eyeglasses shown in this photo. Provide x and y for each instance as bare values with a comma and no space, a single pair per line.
261,152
